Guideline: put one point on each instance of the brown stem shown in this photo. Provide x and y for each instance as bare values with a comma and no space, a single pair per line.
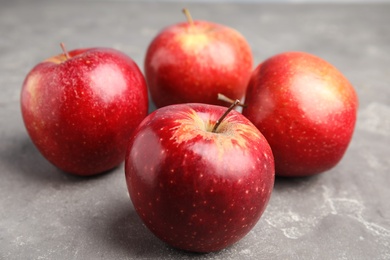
224,98
64,51
188,15
219,121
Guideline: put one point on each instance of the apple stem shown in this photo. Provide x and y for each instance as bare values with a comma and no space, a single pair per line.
224,98
188,15
219,121
64,50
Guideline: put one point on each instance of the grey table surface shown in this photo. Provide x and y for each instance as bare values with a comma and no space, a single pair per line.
341,214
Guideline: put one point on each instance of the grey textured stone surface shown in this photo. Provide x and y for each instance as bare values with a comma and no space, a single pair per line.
341,214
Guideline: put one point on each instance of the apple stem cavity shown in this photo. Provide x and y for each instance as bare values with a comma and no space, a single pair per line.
65,52
188,15
219,121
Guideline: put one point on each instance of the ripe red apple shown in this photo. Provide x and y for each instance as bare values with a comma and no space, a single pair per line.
196,189
305,108
81,107
194,61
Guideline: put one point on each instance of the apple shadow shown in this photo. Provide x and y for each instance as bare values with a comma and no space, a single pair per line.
283,183
23,158
126,234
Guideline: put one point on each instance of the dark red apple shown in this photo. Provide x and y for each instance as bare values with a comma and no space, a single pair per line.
196,189
194,61
305,108
81,107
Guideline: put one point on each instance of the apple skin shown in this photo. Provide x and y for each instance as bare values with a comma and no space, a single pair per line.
193,62
81,111
305,108
196,190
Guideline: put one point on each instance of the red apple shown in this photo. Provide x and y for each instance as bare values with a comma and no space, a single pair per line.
196,189
194,61
305,108
81,107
